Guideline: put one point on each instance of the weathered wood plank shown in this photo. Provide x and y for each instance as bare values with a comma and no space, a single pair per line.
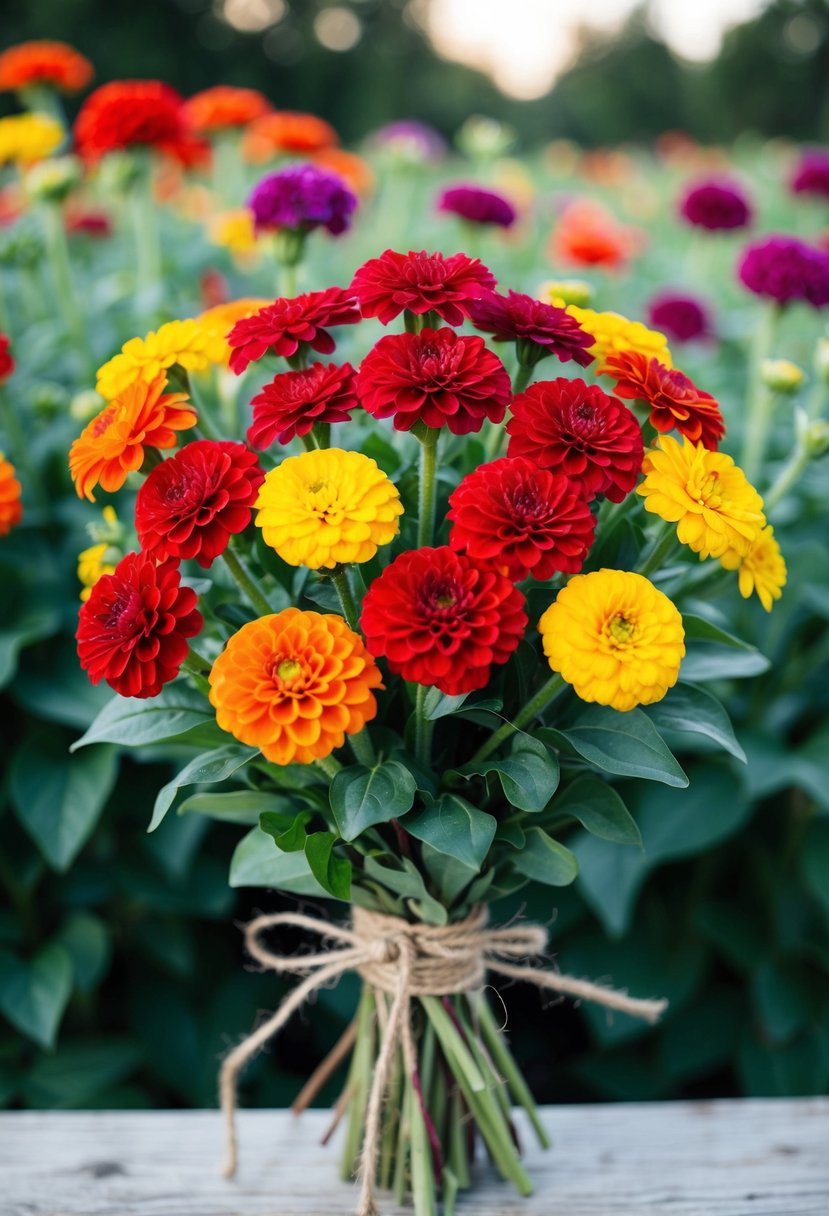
752,1158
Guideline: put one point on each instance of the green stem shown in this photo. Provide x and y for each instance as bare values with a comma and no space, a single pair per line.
423,728
329,765
761,399
247,583
287,280
349,605
195,665
427,489
502,1056
792,471
532,709
227,185
522,377
58,254
362,747
817,397
662,546
144,216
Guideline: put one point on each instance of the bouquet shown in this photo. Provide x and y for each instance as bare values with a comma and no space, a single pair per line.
413,628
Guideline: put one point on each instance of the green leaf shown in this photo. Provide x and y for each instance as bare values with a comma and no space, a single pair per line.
333,873
545,860
406,881
237,806
78,1071
449,875
58,798
713,654
34,625
599,808
257,862
136,722
814,862
529,776
208,768
627,744
453,826
88,943
437,704
692,710
288,831
362,797
782,1000
33,995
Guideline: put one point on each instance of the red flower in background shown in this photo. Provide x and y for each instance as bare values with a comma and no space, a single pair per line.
674,399
6,360
588,235
133,629
44,62
539,329
191,504
283,326
522,519
223,106
579,431
420,282
441,619
126,113
435,377
286,131
295,401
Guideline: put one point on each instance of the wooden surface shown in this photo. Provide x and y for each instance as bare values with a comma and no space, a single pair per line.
753,1158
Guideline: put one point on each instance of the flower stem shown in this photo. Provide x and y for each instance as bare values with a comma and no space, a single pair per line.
427,489
522,377
761,399
545,695
792,471
58,254
661,548
362,747
329,765
423,728
227,185
349,605
147,244
247,583
195,665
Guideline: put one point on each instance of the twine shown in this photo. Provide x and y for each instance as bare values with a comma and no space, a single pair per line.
402,960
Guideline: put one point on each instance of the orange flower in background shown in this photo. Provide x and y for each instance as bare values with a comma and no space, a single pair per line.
355,172
286,131
113,444
224,106
588,235
11,508
294,684
51,63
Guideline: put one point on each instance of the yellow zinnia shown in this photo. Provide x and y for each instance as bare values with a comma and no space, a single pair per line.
234,230
217,323
26,138
613,333
183,342
102,557
616,638
761,569
327,507
717,511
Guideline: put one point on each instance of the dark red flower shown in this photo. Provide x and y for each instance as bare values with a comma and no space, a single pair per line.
478,206
718,204
539,329
420,282
283,326
578,430
133,629
295,401
192,503
674,399
6,360
522,519
125,113
681,316
441,619
434,377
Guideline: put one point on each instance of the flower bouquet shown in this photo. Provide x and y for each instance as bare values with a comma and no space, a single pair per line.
472,551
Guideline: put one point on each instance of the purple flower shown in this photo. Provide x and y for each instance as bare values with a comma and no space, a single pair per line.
783,268
716,204
811,175
478,206
411,141
302,197
681,317
538,329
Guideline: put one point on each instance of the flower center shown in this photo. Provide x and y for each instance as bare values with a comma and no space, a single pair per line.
707,491
621,629
288,670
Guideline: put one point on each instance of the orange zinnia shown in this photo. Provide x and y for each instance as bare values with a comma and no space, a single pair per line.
587,235
294,684
51,63
224,106
112,444
355,172
11,510
286,131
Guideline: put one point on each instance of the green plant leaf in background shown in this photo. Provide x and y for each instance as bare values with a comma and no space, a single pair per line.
545,860
692,710
238,806
599,808
362,797
627,744
257,862
136,722
33,995
207,769
529,775
453,826
712,653
333,873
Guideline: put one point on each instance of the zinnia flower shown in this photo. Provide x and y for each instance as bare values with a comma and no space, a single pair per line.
716,205
613,334
302,197
286,131
811,174
326,508
673,398
294,684
478,206
26,138
420,283
434,377
354,170
223,106
442,619
682,317
521,519
234,230
762,569
133,629
783,269
92,566
410,142
185,343
616,638
294,402
717,511
588,235
580,432
11,508
191,504
44,63
287,325
538,329
6,359
129,113
217,322
114,443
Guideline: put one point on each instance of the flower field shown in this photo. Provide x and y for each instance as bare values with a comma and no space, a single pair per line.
516,462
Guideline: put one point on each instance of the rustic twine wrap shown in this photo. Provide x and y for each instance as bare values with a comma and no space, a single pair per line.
403,960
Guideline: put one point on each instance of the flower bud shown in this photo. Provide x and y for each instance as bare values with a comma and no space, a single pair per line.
562,292
822,359
781,375
86,405
51,180
485,138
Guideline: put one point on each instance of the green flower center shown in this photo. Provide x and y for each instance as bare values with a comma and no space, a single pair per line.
621,629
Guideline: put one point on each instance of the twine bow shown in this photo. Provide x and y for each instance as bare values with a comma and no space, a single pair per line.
402,960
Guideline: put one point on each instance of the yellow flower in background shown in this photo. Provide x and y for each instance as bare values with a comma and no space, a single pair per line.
26,138
717,511
234,230
327,507
781,375
217,323
563,292
762,569
615,637
102,557
614,333
182,342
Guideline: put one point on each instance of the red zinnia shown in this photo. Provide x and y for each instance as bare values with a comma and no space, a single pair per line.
223,106
124,113
578,430
282,326
539,329
133,629
674,399
6,360
442,620
523,519
420,282
44,62
434,377
295,401
191,504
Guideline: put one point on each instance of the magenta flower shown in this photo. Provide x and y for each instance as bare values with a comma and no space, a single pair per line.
811,175
680,316
478,206
302,197
784,269
717,204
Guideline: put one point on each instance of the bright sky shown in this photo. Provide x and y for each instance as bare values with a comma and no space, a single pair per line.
525,44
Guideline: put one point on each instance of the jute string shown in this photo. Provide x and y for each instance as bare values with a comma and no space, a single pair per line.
402,960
